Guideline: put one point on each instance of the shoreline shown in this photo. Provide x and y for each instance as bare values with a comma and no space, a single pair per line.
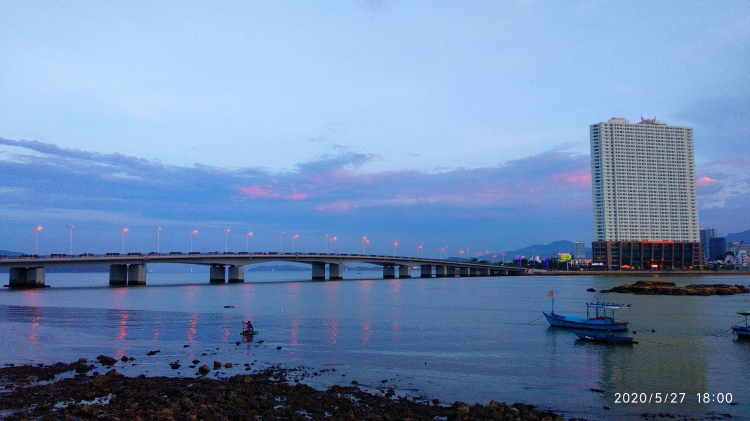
539,272
52,391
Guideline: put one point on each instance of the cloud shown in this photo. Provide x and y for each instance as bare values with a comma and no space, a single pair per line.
723,180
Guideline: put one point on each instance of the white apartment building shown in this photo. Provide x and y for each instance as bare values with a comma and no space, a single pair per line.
643,178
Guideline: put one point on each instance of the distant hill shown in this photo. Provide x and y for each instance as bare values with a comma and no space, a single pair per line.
740,236
546,251
10,253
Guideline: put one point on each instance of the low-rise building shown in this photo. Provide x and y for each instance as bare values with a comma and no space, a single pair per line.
647,255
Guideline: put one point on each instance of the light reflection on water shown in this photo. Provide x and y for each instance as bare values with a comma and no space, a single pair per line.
471,339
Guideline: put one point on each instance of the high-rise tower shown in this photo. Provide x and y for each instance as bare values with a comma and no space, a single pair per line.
643,178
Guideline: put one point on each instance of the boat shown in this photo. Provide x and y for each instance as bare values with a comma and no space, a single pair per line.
246,333
599,321
742,331
604,337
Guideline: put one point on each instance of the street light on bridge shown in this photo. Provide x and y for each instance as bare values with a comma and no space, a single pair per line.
158,240
191,240
332,240
123,240
71,240
226,241
459,255
395,248
326,243
36,247
282,242
294,238
364,245
420,250
249,234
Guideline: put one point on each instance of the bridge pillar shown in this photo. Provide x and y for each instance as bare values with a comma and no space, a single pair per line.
426,271
404,272
118,275
318,271
217,275
484,272
26,278
236,274
441,271
335,271
389,272
137,274
451,272
465,272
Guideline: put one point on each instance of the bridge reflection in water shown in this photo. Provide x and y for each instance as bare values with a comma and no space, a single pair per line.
130,269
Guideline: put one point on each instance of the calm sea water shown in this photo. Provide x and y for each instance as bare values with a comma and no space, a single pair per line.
468,339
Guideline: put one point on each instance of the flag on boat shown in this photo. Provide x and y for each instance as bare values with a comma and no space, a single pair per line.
549,294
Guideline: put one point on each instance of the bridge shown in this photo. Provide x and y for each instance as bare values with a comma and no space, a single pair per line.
29,271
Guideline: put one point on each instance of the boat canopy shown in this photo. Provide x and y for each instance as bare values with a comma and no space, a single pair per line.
608,305
744,313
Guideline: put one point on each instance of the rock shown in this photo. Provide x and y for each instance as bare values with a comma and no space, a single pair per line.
228,365
591,290
279,348
124,359
175,365
150,353
111,373
248,380
186,346
196,361
105,360
203,370
217,365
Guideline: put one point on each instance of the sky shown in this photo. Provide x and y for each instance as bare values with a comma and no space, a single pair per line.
459,124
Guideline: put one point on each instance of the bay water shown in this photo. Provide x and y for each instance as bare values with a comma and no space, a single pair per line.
466,339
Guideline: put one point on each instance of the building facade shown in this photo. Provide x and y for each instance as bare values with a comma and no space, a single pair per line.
706,235
718,246
580,252
644,195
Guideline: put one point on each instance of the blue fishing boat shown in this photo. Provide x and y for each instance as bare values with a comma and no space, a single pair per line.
743,332
600,320
604,337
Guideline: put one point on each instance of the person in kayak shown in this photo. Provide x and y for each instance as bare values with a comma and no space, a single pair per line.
248,327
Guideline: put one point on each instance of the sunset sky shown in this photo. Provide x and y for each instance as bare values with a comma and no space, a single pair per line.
461,124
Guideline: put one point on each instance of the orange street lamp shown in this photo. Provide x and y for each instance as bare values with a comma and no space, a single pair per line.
459,255
191,240
226,241
332,240
364,245
395,248
123,240
36,248
249,234
294,238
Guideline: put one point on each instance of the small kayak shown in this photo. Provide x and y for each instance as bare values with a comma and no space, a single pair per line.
253,333
609,337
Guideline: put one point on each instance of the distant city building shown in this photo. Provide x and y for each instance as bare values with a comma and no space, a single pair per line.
580,252
706,235
739,260
644,198
718,247
736,248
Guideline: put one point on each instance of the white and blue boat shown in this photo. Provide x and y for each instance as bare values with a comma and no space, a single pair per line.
742,332
601,320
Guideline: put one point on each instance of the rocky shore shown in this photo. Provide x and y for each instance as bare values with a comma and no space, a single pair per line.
669,288
90,389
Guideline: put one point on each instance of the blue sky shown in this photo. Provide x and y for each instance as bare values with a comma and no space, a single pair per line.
449,123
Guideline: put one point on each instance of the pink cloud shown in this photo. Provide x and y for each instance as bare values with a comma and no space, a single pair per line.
579,178
705,181
296,197
258,192
337,207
